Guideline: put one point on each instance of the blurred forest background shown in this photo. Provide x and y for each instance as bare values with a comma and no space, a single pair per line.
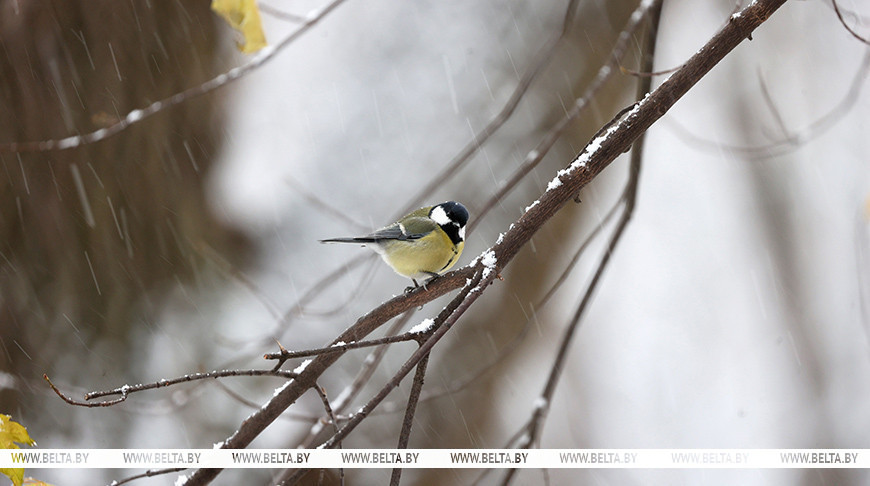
734,313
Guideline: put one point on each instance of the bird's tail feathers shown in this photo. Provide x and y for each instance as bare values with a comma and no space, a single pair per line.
358,239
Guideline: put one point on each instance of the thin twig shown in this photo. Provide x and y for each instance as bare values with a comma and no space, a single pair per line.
73,401
324,205
641,74
328,408
228,269
410,410
283,355
771,105
843,21
281,14
126,390
298,308
799,137
147,474
340,306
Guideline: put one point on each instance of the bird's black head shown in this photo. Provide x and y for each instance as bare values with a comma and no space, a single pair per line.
451,216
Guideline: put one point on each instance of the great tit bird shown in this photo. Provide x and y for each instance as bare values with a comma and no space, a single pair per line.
424,243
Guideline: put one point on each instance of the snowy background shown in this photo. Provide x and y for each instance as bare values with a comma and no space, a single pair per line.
734,313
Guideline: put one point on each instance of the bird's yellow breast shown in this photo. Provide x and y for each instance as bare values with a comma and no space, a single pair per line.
432,254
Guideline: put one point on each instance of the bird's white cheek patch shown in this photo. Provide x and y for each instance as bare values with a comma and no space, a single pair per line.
439,215
462,232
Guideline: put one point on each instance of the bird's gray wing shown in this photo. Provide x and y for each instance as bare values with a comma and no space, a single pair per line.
411,229
391,232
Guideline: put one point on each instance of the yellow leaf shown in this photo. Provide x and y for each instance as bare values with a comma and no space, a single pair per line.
243,16
12,434
16,474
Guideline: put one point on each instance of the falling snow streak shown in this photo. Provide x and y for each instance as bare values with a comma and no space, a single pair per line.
126,238
449,73
190,155
56,83
23,175
115,217
93,274
83,197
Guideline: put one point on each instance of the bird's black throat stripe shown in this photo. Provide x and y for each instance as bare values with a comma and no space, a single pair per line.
449,262
452,230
